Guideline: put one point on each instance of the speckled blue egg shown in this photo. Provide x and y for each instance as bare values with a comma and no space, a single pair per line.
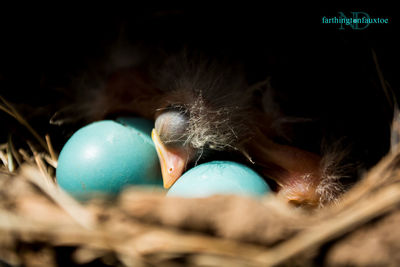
106,156
219,177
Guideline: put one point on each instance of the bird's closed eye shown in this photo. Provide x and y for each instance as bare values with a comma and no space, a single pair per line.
171,125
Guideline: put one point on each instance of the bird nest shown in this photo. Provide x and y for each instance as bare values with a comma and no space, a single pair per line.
41,225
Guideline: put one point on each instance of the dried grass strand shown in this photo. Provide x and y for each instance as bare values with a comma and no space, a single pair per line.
388,93
3,159
11,165
50,148
25,155
14,152
50,161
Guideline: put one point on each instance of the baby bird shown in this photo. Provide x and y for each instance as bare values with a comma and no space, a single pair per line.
204,111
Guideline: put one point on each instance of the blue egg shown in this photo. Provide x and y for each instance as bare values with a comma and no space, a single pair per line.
106,156
219,177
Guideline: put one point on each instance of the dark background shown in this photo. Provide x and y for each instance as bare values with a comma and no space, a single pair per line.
319,71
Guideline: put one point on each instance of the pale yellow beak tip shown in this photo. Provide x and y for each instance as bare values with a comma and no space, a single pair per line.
168,159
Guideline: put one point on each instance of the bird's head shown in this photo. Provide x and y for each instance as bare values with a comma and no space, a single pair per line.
185,134
172,144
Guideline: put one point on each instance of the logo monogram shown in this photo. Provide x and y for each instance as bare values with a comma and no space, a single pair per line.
359,21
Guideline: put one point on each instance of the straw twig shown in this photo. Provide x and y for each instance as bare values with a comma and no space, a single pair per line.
40,164
10,160
391,99
50,148
25,155
50,161
3,159
14,153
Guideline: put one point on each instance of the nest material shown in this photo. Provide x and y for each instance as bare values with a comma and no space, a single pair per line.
41,225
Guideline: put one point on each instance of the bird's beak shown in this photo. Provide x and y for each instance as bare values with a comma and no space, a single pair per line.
172,161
